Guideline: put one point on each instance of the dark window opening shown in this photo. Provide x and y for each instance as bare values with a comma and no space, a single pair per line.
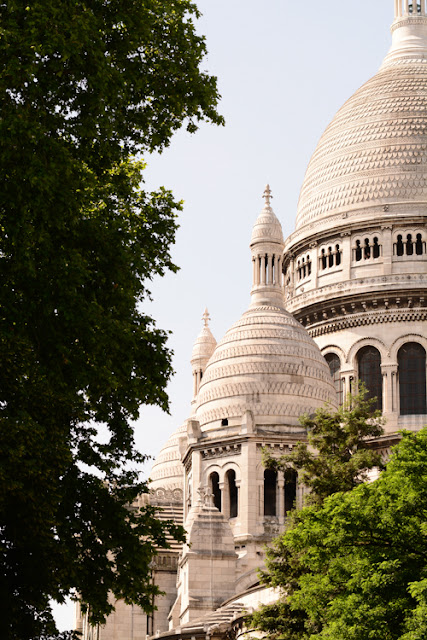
290,490
337,255
369,361
399,246
214,482
323,259
412,379
232,492
419,245
330,257
270,482
409,245
376,249
367,249
358,251
335,368
224,422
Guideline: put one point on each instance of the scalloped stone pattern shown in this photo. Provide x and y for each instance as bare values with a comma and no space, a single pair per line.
167,471
266,363
375,149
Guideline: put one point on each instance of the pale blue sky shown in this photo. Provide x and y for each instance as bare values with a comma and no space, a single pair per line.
284,69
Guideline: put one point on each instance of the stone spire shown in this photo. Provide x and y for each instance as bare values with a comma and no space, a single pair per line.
409,31
203,348
267,249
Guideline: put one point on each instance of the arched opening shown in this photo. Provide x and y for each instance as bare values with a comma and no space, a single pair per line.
335,368
399,246
369,363
216,491
409,245
230,478
291,477
419,245
358,251
367,249
412,379
376,248
270,484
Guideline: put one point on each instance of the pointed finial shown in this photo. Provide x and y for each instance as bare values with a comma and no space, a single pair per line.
206,317
267,195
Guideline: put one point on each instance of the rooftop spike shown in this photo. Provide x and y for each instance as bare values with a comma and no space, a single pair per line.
206,317
267,195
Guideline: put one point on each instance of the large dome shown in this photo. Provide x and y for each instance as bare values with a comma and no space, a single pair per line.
374,152
167,472
266,363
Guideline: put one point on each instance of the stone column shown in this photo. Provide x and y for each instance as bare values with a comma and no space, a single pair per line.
280,497
387,249
314,264
348,378
346,254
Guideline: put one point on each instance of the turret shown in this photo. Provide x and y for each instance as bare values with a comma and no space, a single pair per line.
409,31
203,348
267,249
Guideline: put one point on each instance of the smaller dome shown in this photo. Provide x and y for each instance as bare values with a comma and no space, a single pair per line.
167,471
204,345
267,227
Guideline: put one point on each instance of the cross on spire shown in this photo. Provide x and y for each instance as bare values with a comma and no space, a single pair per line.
267,195
206,317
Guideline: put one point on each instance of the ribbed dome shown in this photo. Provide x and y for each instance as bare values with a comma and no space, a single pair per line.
266,363
167,471
267,227
374,152
204,344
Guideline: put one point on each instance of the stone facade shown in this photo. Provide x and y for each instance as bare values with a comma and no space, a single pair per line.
342,299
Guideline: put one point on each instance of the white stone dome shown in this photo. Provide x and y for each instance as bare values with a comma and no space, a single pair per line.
204,344
267,227
374,152
167,471
268,364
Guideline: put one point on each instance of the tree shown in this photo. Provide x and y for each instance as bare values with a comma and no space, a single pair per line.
363,556
84,85
338,455
336,458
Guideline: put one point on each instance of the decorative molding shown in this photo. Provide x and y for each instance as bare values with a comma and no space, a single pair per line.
166,495
224,451
359,320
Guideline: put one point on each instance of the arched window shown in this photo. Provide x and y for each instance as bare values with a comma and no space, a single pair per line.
376,249
214,486
358,251
230,478
419,245
412,379
399,246
335,368
369,362
290,490
270,483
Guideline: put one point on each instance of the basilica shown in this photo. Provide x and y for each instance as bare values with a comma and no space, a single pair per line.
342,300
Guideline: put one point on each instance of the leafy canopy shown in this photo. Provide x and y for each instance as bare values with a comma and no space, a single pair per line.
363,556
336,458
338,454
84,86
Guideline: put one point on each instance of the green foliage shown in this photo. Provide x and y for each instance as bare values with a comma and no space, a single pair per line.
362,558
337,456
84,84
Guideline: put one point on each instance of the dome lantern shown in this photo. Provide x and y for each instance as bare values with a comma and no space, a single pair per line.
267,249
203,348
